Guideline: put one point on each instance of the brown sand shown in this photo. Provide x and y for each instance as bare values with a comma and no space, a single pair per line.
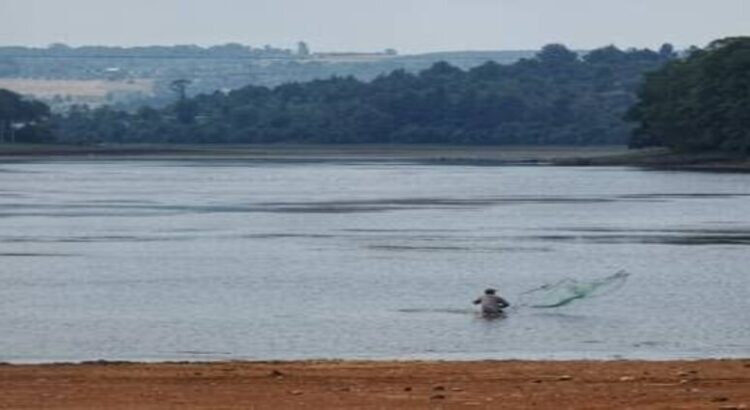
708,384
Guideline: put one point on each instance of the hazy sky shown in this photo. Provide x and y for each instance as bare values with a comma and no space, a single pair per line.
407,25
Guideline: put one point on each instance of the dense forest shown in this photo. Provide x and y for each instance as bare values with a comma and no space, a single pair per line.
556,97
22,120
698,103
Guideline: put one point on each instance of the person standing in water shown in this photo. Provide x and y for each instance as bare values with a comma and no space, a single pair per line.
492,305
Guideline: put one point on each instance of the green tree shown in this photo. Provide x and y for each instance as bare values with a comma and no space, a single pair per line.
19,116
556,54
554,98
698,103
184,108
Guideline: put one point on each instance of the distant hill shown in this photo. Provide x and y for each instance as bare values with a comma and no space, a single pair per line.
225,67
557,97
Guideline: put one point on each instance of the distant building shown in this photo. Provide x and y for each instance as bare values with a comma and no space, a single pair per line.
303,50
114,73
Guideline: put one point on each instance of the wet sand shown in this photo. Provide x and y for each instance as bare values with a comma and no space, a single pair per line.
706,384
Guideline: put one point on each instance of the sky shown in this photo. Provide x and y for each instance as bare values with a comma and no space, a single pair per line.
410,26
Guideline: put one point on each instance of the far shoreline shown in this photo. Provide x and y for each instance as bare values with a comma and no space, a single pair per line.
313,152
495,155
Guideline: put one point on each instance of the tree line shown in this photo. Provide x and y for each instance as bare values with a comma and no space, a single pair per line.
23,120
698,103
556,97
227,50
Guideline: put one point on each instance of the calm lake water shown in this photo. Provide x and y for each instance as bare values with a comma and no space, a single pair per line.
204,260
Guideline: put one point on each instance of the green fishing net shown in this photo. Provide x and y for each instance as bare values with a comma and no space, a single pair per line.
569,290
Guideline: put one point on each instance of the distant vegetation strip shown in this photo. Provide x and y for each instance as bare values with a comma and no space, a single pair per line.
697,102
554,98
221,67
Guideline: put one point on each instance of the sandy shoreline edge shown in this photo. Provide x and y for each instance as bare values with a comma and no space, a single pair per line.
677,384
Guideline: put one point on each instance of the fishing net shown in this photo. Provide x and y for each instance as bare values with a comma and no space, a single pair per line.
569,290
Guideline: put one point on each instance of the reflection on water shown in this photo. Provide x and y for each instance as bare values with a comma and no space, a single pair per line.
683,239
670,236
427,248
450,311
91,239
286,260
31,254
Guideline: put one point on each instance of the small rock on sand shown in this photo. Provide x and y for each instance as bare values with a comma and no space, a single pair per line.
276,373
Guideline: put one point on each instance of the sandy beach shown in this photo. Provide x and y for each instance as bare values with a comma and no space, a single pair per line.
705,384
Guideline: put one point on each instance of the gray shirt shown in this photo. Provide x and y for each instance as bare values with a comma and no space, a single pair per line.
491,304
